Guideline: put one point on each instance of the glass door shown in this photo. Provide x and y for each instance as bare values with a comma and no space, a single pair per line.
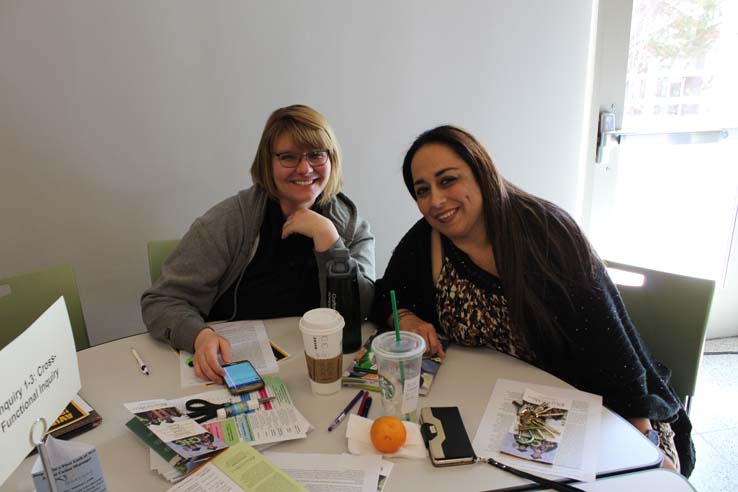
665,191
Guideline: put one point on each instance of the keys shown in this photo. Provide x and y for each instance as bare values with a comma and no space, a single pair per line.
531,426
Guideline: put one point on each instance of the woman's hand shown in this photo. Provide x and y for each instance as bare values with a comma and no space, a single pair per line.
207,345
313,225
410,322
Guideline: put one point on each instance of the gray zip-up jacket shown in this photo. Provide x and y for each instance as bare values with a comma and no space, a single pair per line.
215,252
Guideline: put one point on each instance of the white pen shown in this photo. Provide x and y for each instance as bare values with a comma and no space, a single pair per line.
141,365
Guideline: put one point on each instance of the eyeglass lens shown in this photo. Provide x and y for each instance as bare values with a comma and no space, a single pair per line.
292,159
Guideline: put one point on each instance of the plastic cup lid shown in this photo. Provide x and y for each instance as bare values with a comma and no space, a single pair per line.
410,345
321,321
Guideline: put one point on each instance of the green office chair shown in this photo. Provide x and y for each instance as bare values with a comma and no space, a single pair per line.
158,252
670,312
30,294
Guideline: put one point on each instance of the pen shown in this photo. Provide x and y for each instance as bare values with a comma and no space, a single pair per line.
346,410
367,407
141,365
360,411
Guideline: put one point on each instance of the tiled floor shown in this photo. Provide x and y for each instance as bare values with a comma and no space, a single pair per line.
715,419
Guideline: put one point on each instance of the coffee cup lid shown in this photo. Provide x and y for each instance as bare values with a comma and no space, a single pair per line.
321,321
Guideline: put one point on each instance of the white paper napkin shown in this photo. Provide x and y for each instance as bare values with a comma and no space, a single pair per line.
359,440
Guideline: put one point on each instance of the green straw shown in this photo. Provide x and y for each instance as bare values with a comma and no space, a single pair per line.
397,335
395,316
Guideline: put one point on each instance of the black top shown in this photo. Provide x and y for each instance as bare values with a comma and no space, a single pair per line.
602,351
281,280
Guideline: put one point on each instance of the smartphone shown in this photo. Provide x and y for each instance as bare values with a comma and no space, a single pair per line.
241,377
445,436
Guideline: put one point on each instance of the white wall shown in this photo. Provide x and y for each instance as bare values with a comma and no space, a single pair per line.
120,122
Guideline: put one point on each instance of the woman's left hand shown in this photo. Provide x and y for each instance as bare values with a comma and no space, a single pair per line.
313,225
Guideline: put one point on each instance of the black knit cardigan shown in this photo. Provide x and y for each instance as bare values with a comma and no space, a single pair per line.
602,351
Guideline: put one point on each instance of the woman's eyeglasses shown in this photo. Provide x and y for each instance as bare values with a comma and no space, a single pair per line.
316,158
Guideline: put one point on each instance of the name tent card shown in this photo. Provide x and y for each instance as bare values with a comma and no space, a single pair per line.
76,468
40,377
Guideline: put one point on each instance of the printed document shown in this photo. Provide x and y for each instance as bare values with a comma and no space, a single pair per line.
239,468
249,341
330,472
576,455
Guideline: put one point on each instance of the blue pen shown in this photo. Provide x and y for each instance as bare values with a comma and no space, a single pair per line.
346,410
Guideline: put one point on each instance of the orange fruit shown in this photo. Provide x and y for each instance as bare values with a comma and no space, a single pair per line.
388,434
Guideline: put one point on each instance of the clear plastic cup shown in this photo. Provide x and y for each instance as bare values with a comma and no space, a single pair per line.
398,365
322,335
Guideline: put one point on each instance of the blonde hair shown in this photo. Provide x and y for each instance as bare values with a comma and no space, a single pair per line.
308,129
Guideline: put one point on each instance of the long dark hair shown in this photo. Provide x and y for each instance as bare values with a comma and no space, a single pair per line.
540,252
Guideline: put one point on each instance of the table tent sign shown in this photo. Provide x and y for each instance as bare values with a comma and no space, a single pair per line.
40,377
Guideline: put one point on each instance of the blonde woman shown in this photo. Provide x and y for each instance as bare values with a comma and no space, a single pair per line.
262,253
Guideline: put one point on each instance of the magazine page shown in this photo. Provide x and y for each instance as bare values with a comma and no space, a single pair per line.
575,452
172,426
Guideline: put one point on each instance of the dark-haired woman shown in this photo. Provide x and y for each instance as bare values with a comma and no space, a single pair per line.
263,253
491,265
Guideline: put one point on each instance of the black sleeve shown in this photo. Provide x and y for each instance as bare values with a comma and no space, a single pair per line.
613,361
409,275
611,358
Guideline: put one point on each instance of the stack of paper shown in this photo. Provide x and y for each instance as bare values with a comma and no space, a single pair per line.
176,437
571,451
276,421
243,468
77,417
240,468
334,472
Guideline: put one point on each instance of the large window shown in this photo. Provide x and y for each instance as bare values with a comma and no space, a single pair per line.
673,179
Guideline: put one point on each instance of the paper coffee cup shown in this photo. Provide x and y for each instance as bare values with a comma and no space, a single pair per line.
322,335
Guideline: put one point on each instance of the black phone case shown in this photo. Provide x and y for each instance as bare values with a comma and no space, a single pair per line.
445,436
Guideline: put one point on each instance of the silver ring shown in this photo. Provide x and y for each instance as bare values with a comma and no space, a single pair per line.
43,432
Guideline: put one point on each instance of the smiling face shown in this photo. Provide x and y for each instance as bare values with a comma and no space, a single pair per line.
447,193
297,187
